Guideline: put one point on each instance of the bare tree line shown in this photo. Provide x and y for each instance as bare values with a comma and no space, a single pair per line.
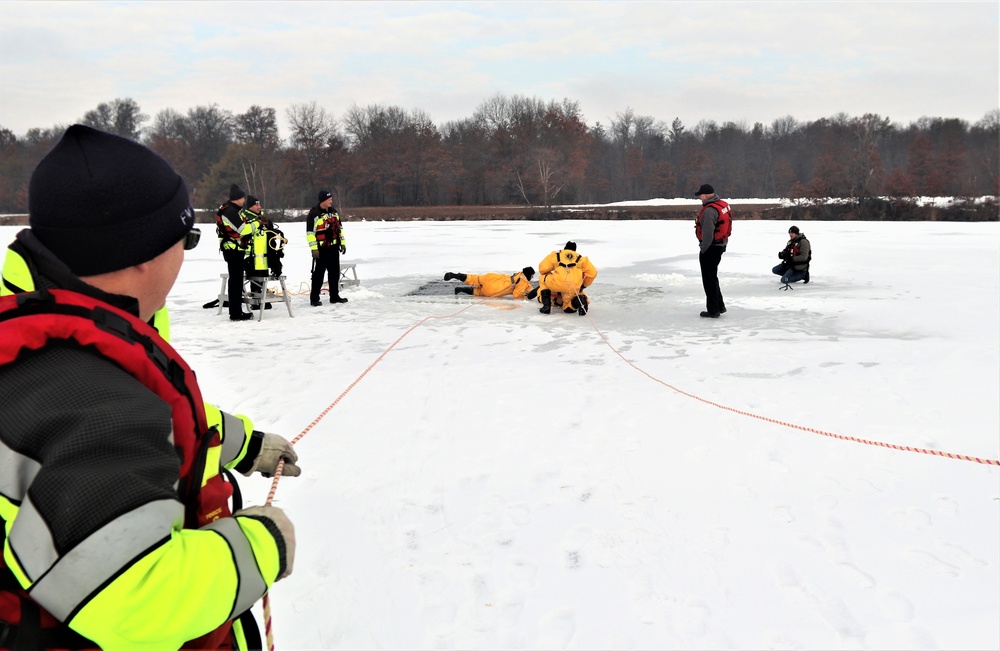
521,150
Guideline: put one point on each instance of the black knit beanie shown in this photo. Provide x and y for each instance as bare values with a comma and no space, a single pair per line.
235,194
102,203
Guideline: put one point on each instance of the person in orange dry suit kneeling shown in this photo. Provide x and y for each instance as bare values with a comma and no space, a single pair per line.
568,273
495,285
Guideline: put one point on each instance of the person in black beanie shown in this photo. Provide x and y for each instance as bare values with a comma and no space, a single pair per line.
112,466
325,235
795,258
231,229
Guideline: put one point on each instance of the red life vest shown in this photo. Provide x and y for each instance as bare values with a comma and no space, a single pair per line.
327,227
228,237
30,321
723,225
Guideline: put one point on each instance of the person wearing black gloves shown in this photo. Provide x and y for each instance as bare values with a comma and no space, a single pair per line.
115,512
229,227
325,235
795,258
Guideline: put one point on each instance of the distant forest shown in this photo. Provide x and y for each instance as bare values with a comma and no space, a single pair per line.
524,151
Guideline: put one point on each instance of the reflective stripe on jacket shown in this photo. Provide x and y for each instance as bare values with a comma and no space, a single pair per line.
163,567
228,224
20,272
147,565
323,228
257,236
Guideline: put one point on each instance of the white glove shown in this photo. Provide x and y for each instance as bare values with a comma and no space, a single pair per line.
284,526
272,449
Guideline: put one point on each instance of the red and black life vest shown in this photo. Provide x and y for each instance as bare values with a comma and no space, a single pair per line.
723,225
327,227
30,322
229,238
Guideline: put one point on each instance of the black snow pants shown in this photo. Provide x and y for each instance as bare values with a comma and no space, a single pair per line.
709,261
328,262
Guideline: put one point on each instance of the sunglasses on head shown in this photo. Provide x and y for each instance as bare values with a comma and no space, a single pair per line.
191,239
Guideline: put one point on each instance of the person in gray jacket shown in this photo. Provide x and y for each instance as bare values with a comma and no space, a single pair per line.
712,227
795,258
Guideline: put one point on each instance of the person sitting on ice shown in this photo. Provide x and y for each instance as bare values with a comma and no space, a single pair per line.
494,285
568,273
795,258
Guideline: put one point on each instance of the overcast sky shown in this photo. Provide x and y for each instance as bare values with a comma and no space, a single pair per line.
723,61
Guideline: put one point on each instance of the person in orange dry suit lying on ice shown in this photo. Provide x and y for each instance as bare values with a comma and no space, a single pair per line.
494,285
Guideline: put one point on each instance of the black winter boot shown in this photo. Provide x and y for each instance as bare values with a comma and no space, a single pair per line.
584,306
546,307
464,290
448,275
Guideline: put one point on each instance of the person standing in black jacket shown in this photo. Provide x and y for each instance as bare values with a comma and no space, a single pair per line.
229,227
325,235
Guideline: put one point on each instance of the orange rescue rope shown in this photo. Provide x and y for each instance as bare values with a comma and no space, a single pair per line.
892,446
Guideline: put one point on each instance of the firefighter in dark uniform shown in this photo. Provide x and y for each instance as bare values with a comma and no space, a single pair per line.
228,226
325,235
114,517
264,246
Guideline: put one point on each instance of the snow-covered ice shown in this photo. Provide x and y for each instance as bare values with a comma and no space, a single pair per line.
506,479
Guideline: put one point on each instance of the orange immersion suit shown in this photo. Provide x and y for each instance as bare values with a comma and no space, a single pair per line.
566,272
495,285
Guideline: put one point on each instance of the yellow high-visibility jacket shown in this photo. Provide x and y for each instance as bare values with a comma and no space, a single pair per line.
121,566
256,237
324,228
